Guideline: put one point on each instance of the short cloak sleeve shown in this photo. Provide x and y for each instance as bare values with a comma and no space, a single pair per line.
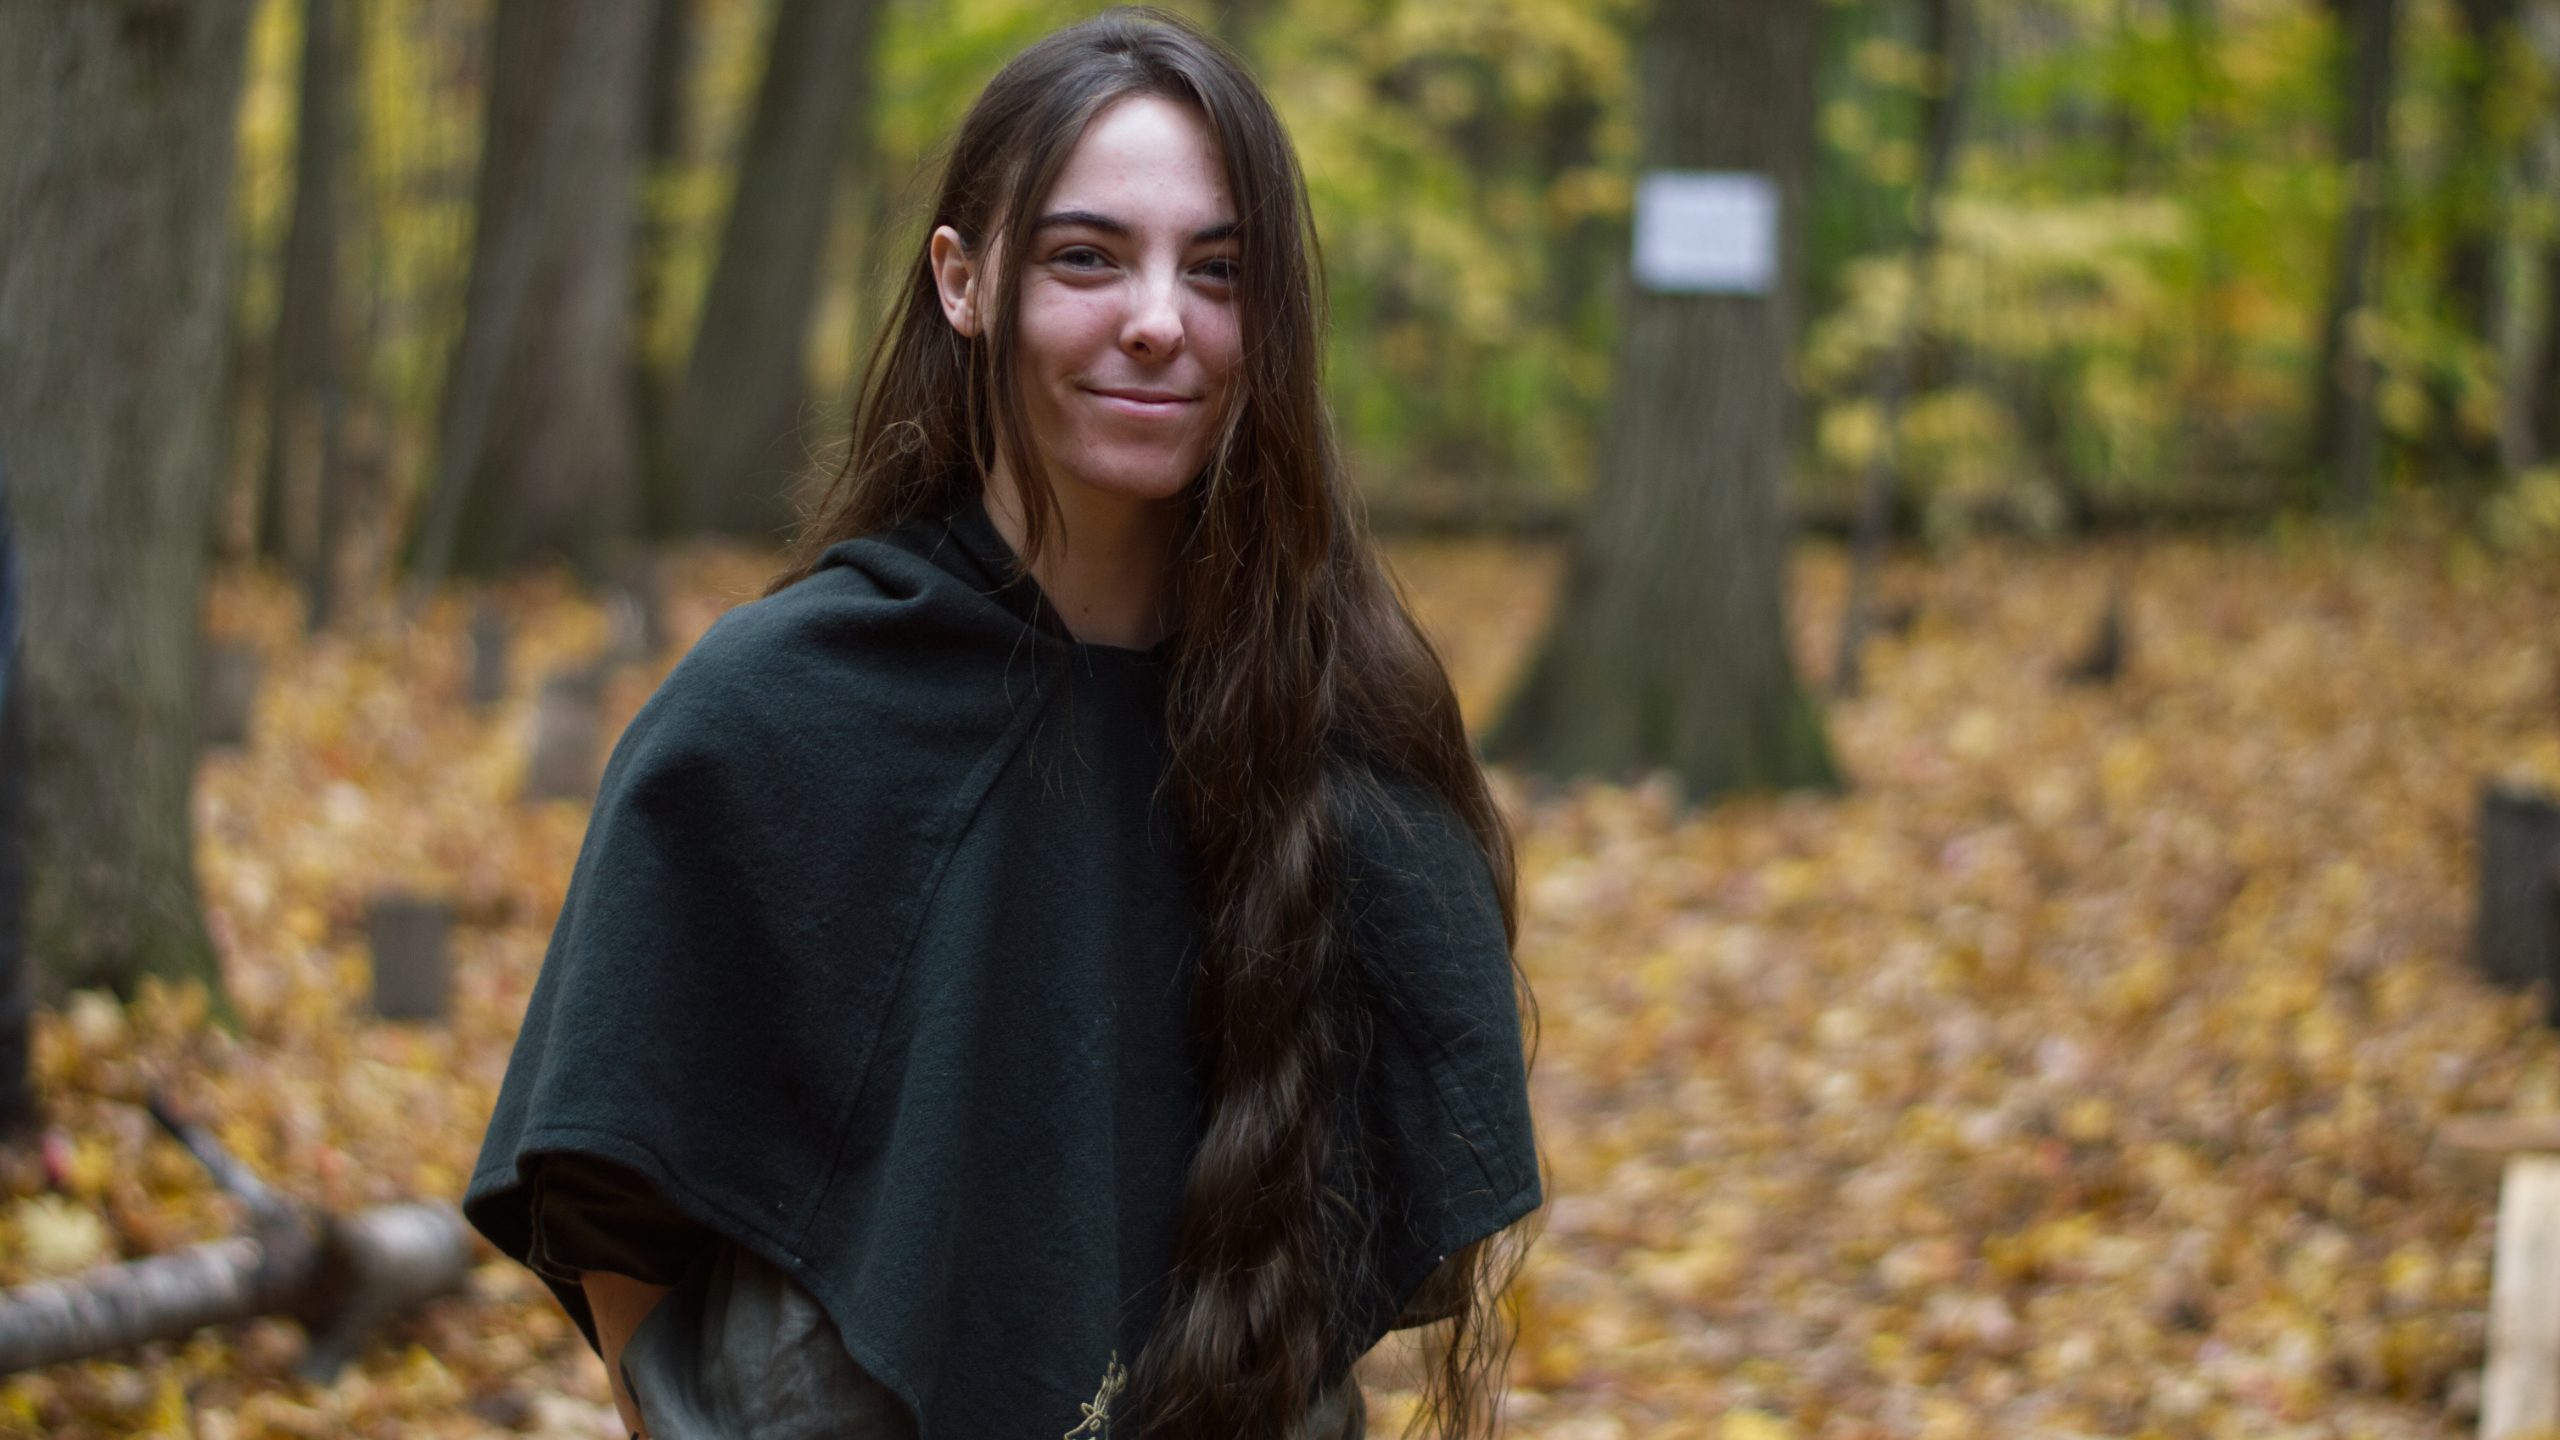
1443,1102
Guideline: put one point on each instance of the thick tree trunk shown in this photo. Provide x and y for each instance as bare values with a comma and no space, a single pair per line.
116,139
737,420
1669,648
300,506
539,452
2349,433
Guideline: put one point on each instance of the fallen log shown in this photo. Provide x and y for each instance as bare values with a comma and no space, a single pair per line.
340,1284
339,1275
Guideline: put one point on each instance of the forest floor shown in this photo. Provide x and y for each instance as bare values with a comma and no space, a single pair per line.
2073,1072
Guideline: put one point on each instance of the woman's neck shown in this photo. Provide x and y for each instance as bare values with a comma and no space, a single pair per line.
1103,566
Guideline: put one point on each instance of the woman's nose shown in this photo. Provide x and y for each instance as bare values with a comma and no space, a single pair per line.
1153,330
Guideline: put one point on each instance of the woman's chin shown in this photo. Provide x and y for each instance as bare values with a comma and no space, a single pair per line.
1138,480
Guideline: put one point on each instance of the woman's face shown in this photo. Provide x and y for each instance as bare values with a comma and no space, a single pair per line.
1128,338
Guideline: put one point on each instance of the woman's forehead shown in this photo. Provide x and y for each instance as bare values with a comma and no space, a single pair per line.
1148,163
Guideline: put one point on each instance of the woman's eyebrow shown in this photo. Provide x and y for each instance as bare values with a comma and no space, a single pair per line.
1095,220
1089,219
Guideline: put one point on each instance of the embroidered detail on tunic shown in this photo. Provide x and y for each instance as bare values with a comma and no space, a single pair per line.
1097,1411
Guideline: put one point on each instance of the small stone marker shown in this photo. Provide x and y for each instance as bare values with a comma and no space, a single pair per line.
2102,659
488,654
2516,940
635,605
626,620
565,722
412,963
230,692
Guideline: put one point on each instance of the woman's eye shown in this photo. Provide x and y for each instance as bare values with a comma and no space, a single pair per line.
1221,271
1081,257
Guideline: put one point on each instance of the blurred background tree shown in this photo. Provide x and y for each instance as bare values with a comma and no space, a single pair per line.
116,148
538,450
736,433
1670,648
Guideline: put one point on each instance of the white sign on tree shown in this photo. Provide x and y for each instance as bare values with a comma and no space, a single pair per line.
1707,232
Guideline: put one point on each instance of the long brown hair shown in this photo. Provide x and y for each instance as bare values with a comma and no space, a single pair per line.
1294,670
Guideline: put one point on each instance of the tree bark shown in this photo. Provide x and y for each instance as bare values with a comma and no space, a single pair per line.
2473,184
2529,426
539,450
116,150
300,506
737,418
656,375
2475,169
17,993
1942,122
1669,648
2348,432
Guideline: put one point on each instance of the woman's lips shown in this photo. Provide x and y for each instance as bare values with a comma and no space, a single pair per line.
1142,404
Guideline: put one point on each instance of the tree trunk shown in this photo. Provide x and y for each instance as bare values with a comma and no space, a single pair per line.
2475,169
656,374
2529,425
17,990
116,140
2473,181
299,508
737,419
2349,433
539,451
1669,648
1942,121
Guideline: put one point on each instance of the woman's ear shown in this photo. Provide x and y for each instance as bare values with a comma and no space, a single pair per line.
956,276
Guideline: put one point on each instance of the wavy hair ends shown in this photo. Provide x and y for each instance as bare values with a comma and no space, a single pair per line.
1294,673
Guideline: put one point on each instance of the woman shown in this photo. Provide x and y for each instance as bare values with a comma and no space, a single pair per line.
1045,969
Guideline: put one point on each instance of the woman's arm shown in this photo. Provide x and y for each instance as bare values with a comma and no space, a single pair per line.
620,1303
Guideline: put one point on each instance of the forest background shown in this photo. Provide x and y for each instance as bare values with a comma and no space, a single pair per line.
2138,292
2070,1064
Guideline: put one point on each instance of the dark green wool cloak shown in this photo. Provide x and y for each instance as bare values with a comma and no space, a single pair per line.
876,961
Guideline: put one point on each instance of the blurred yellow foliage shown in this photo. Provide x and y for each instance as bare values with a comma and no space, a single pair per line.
2074,1073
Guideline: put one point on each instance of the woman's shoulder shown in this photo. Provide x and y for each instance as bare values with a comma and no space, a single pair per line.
869,601
1394,826
874,612
1416,880
878,649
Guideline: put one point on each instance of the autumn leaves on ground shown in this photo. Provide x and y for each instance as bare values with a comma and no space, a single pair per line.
2073,1073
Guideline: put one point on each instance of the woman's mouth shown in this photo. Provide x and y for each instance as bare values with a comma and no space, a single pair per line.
1141,402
